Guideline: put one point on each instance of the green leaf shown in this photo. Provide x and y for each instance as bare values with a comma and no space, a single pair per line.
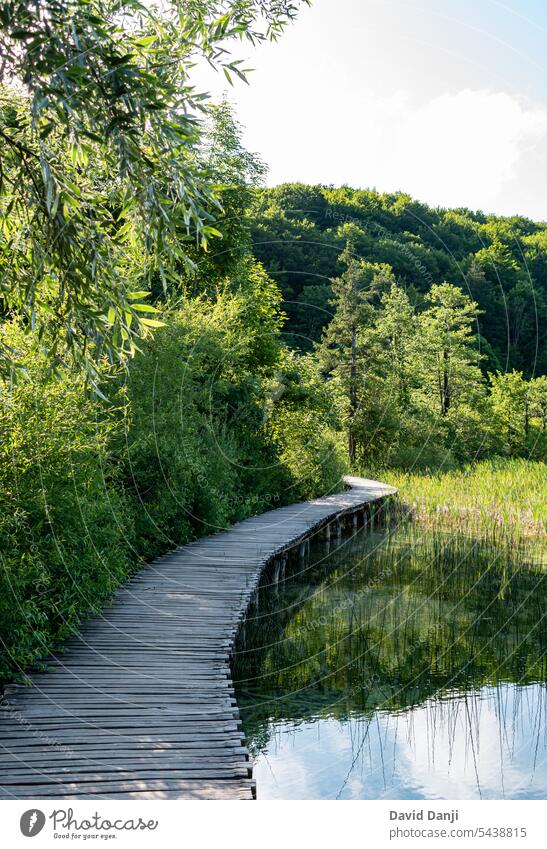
152,322
146,41
144,308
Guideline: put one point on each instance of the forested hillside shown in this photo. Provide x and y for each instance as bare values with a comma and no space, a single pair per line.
300,231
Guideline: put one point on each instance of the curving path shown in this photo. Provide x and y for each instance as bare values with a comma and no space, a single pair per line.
141,705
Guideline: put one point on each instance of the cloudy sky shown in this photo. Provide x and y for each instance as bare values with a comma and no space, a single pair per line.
444,100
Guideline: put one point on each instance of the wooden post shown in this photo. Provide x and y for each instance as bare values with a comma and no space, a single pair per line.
283,565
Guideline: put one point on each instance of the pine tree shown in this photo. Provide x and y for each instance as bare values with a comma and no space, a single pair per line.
342,351
450,355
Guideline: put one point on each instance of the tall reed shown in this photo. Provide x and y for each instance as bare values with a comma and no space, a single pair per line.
503,498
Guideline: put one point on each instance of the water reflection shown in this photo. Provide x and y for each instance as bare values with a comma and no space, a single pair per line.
404,664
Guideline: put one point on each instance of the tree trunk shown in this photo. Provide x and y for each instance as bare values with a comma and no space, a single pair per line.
445,396
352,394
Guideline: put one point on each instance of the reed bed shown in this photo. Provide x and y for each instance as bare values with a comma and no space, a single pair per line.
495,497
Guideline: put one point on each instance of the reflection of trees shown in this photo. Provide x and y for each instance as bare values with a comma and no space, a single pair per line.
389,622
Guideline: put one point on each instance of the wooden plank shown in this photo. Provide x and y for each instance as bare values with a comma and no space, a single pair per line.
140,704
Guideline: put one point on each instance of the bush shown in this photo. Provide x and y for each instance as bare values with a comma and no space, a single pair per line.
305,426
198,457
65,527
194,438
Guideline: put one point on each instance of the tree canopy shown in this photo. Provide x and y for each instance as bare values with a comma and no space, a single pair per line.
101,187
300,231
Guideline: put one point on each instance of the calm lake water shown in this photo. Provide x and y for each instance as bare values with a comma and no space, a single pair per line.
399,664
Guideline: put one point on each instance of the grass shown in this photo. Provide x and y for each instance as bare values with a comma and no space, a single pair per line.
494,496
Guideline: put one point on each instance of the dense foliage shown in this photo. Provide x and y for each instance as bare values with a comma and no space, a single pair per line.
116,177
300,231
406,321
196,435
411,390
99,129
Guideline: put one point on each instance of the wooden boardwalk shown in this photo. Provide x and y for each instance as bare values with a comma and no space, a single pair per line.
141,704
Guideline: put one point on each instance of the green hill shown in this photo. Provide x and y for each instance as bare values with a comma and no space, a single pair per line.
299,232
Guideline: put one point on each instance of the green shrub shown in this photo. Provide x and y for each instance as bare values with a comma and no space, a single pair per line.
65,528
305,426
198,457
195,437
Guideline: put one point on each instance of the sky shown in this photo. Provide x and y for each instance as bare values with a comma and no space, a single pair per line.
444,100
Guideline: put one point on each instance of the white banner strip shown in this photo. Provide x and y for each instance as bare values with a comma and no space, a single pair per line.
231,825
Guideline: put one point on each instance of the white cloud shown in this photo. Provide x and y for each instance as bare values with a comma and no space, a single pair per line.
466,149
479,149
448,105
